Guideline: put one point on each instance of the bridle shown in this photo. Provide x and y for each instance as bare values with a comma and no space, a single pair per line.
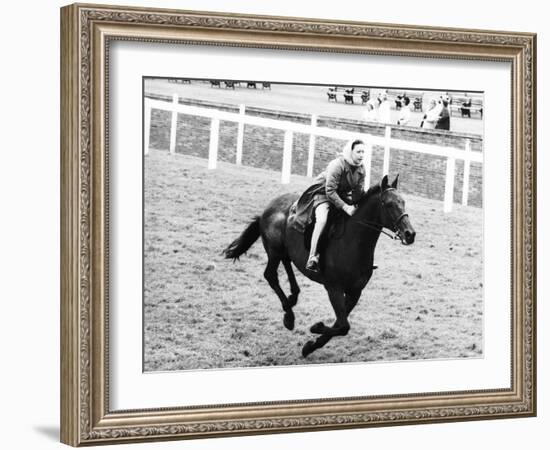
378,226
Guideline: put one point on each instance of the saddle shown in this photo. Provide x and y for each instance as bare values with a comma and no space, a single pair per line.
334,229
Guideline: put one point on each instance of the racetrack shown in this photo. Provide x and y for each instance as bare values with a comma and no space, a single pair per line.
309,99
202,311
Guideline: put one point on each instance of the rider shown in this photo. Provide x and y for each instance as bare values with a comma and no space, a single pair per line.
340,186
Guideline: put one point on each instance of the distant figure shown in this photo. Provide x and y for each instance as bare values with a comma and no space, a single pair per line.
384,111
417,104
431,117
348,95
371,115
399,101
466,108
444,121
405,114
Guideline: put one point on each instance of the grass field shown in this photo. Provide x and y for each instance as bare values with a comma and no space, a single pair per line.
202,311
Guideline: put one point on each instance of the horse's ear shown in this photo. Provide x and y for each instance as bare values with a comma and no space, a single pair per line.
384,183
394,183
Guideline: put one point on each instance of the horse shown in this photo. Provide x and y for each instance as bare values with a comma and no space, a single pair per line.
346,263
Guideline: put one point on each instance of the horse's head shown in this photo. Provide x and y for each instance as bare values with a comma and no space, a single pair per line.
392,211
383,206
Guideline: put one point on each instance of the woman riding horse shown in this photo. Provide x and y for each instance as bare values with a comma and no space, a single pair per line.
347,259
340,186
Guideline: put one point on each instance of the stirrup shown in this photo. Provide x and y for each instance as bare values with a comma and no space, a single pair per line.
313,264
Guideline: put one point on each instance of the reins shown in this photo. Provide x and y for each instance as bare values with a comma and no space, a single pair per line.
378,226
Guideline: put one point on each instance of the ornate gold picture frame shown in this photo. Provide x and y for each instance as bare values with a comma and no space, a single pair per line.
87,416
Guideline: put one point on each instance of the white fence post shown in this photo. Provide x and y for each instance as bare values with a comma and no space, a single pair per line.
311,153
147,127
287,158
386,141
174,125
367,162
387,137
449,185
214,138
240,136
466,179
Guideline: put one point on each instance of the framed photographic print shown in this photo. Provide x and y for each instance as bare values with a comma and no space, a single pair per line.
276,225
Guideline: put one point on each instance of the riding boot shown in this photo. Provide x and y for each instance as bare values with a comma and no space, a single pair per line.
313,260
313,264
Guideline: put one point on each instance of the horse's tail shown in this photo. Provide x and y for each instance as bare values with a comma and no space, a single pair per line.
244,241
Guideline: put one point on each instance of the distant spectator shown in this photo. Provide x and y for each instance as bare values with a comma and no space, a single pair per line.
431,116
371,115
399,101
384,110
444,121
466,108
405,114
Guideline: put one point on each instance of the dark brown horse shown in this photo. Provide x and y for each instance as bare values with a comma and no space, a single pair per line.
346,261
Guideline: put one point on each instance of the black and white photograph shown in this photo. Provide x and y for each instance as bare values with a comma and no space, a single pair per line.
275,225
294,224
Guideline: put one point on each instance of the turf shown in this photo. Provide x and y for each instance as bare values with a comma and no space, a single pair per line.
202,311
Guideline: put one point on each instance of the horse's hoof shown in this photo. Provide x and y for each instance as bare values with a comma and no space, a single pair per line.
308,348
318,328
288,320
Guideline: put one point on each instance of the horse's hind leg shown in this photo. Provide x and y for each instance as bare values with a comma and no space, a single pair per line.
294,288
272,278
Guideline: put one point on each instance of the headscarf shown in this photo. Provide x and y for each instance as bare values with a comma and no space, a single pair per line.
346,153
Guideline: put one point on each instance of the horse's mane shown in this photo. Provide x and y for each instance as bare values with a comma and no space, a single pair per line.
373,190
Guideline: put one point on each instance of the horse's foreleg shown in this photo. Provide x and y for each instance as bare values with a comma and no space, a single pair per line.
339,328
327,333
310,346
352,297
339,305
294,288
270,274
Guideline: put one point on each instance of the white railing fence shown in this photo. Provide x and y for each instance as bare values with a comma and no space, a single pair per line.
289,128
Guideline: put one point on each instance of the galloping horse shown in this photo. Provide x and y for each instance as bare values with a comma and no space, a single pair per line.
346,262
